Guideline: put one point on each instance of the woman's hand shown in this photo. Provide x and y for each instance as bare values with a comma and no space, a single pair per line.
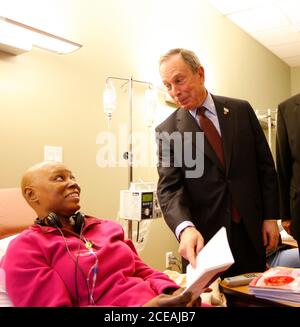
287,225
177,299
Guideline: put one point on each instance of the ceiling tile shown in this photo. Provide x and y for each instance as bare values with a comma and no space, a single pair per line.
278,36
287,50
292,61
273,23
291,8
260,19
233,6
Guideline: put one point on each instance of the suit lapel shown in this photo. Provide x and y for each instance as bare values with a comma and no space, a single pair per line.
187,123
226,121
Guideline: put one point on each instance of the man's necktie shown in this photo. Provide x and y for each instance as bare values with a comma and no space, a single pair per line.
215,141
211,134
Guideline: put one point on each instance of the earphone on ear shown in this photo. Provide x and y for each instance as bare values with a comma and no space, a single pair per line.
77,220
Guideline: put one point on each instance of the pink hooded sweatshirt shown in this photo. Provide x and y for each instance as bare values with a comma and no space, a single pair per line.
44,268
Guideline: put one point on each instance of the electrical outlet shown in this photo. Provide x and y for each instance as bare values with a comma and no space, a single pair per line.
169,256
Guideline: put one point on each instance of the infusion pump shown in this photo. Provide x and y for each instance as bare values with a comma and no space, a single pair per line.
139,202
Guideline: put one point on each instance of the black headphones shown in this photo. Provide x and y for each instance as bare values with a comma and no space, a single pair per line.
77,220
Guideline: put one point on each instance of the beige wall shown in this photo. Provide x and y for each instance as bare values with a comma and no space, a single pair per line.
49,99
295,80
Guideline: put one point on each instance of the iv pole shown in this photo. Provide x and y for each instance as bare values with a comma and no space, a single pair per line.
128,154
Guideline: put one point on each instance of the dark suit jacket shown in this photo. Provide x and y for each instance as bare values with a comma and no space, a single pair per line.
249,177
288,161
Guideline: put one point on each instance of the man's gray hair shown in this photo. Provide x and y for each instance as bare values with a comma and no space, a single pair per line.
188,56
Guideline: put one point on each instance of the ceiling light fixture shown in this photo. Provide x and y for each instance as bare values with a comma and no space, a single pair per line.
17,38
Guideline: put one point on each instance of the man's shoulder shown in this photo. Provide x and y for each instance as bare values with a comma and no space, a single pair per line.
290,101
228,101
170,121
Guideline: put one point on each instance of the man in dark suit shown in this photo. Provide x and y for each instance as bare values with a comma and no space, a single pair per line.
288,164
238,191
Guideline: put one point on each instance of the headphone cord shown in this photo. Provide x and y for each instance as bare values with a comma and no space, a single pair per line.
76,266
93,269
75,276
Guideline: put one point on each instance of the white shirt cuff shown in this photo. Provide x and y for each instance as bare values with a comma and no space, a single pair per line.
182,226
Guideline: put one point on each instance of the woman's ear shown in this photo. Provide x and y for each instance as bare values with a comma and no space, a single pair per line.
30,195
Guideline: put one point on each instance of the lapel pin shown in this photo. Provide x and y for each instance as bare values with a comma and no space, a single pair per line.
226,111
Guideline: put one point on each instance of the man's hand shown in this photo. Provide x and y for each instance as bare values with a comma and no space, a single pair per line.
191,242
270,233
174,300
